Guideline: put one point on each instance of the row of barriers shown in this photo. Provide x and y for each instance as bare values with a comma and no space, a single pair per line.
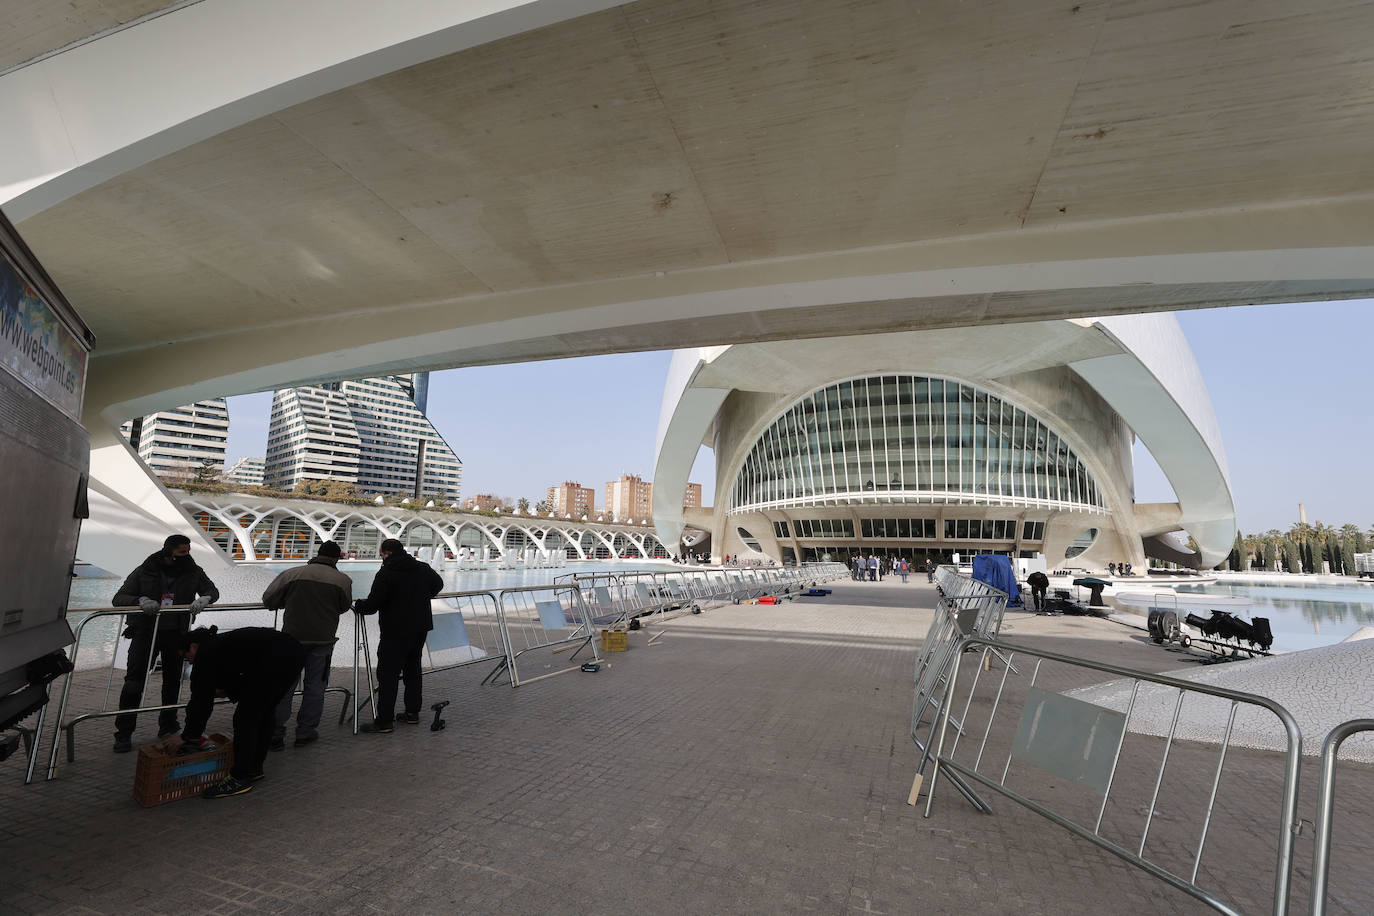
983,736
494,626
615,598
497,626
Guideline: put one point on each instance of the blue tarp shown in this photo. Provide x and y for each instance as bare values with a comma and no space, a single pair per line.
995,570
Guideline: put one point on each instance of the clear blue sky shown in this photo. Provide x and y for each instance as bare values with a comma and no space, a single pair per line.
1292,386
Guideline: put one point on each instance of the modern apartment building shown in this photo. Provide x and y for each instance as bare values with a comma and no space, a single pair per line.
368,432
311,436
184,442
629,497
247,472
571,498
402,452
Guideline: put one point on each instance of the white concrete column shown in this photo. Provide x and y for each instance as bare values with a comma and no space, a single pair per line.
132,513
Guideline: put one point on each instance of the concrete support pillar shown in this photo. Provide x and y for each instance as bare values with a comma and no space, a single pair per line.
132,513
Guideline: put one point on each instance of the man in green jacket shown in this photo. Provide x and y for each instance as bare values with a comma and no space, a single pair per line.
314,595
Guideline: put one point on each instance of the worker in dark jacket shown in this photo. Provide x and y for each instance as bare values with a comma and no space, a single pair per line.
165,578
401,592
1039,583
253,667
315,596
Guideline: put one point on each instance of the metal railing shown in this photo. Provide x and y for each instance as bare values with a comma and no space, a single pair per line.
615,598
1080,744
1326,801
483,626
544,617
63,725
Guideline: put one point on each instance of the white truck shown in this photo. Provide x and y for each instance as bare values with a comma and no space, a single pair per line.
1364,564
44,459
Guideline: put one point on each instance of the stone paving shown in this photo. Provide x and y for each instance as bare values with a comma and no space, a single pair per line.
756,760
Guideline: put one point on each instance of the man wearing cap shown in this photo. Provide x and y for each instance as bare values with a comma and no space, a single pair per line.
314,595
165,578
401,594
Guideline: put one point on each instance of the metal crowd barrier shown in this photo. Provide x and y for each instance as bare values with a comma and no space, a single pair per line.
484,626
1326,800
615,598
966,608
1079,744
544,617
61,724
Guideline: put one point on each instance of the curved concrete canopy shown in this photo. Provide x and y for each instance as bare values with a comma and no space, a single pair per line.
1142,367
391,187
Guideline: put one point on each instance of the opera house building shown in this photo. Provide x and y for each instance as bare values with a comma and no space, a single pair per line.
1013,438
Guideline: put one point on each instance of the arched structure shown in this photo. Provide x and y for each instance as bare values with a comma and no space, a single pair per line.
1015,439
245,527
394,187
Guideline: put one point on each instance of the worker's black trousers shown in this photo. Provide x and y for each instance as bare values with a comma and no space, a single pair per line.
136,669
255,718
398,656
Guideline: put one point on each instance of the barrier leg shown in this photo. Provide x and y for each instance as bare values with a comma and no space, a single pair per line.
33,744
62,704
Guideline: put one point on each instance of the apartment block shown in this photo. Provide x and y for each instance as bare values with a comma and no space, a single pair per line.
182,443
368,432
629,497
571,498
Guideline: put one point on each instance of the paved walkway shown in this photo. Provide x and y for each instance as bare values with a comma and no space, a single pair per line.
756,760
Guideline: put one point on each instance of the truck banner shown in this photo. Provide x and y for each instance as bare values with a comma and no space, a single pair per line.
36,347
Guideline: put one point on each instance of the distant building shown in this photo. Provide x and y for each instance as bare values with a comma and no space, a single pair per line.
311,436
247,472
183,443
369,432
483,502
629,497
692,498
571,498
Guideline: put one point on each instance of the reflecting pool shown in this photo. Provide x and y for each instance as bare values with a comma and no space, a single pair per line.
1302,615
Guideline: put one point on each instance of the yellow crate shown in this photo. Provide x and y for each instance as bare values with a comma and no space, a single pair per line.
615,641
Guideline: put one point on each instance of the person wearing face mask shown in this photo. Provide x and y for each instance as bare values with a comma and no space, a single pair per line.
167,577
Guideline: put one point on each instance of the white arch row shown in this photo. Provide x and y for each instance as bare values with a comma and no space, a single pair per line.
265,530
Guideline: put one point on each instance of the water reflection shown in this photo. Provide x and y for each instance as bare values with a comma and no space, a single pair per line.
1302,615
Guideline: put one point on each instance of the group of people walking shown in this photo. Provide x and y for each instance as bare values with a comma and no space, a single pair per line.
260,668
872,568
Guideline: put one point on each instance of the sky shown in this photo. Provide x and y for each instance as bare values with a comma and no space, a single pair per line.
1292,385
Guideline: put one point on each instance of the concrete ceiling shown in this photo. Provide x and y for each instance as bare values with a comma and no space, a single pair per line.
685,139
31,28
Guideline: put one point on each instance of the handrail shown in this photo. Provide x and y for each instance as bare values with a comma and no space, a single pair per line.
1326,800
80,629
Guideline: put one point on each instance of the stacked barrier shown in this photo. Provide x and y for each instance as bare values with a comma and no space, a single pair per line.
966,608
1070,750
615,598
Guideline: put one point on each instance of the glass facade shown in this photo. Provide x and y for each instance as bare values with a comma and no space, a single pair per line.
898,439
